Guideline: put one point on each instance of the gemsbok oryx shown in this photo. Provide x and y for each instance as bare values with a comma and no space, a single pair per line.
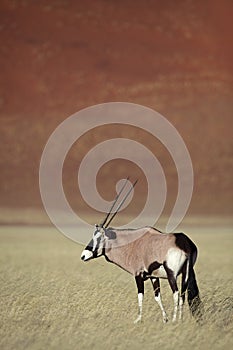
149,254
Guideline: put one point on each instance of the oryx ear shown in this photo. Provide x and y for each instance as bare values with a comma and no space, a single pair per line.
101,230
110,234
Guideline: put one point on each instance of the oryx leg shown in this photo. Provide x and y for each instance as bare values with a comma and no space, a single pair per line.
184,285
173,284
140,287
156,286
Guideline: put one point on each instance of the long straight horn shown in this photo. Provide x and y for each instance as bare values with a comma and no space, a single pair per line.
115,200
122,202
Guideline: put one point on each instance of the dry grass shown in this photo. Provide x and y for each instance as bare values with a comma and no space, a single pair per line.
52,300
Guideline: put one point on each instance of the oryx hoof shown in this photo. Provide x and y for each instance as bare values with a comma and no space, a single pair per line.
138,319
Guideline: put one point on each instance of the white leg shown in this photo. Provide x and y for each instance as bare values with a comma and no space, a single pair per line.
176,304
159,301
181,308
140,300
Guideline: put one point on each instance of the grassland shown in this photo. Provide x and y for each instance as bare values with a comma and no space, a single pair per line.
52,300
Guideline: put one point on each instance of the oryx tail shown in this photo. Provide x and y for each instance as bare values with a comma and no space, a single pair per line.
194,301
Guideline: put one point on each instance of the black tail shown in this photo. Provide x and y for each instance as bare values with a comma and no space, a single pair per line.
194,301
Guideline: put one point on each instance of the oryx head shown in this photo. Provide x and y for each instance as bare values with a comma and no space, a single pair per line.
96,246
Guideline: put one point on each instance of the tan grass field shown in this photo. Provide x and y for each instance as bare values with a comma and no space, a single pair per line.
52,300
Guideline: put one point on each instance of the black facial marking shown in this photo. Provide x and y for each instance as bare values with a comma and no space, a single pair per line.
96,231
96,248
90,245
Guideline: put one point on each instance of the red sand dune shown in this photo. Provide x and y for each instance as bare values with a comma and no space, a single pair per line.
58,57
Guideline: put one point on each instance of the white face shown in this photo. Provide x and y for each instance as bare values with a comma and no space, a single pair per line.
95,246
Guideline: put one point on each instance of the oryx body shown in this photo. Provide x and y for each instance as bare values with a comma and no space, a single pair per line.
146,253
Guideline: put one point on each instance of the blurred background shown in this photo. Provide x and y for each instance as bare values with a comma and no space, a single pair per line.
57,57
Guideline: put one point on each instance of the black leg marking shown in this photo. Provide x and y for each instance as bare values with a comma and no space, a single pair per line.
184,285
184,281
140,285
173,284
156,286
154,266
171,278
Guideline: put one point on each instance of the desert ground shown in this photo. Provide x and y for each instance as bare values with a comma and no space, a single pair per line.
52,300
